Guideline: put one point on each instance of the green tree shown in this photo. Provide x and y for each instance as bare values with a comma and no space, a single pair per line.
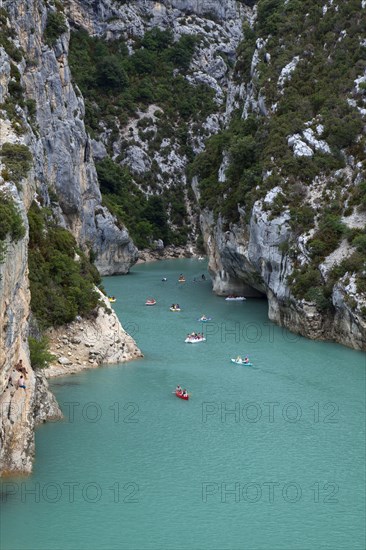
111,74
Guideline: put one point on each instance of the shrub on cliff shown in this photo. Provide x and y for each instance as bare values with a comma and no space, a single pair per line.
61,277
11,222
40,357
17,159
6,34
55,26
302,280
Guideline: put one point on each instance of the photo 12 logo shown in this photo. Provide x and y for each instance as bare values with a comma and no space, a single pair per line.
252,333
92,412
269,491
252,412
70,492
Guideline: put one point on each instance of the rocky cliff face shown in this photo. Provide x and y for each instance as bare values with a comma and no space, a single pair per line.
41,112
64,165
20,410
150,143
312,273
248,260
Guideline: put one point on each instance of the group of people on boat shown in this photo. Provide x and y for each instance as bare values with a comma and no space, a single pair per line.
240,360
175,307
195,336
112,299
180,391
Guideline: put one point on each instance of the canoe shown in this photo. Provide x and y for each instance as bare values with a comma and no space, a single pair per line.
194,340
181,396
150,302
235,298
241,363
181,280
112,300
174,308
205,320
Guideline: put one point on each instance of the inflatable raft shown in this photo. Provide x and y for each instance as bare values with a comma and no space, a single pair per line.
241,363
194,340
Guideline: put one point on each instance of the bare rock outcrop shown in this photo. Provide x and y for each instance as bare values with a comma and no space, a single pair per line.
89,343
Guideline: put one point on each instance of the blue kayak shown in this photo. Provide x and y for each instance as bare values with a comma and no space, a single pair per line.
241,363
205,320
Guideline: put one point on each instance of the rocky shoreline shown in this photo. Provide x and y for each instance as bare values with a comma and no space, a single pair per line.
169,252
89,343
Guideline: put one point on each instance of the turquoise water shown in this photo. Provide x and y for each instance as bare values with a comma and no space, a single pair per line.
264,457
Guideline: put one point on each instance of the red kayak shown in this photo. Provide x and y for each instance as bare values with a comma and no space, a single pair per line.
181,396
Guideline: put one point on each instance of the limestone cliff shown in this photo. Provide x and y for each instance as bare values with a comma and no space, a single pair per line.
155,140
290,222
20,410
44,157
63,164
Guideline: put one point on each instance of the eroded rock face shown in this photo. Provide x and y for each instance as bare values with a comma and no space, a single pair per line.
219,24
20,409
248,260
62,149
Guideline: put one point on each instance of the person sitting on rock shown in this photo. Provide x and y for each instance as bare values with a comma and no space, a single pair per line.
21,382
20,368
